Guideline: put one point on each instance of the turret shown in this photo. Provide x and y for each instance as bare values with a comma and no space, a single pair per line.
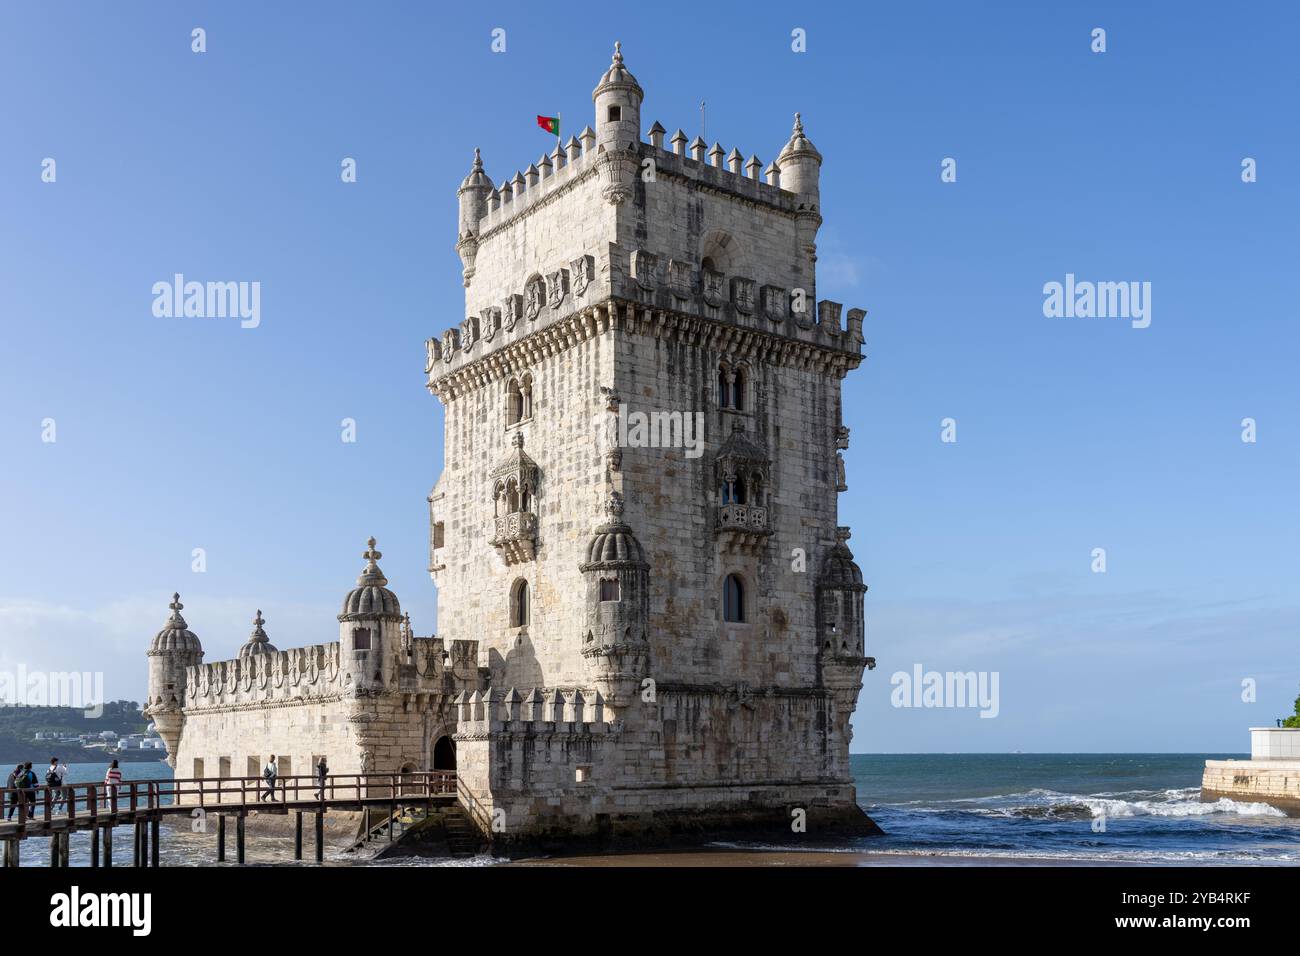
617,576
618,106
258,644
174,649
800,165
370,632
473,196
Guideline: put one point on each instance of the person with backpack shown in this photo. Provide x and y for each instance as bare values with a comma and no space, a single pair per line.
112,780
11,784
269,774
322,771
54,779
26,784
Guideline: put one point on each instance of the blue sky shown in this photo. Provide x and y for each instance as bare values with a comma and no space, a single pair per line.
1072,434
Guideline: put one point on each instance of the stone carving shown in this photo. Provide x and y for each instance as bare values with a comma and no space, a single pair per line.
432,351
742,295
512,310
469,333
558,282
583,270
534,296
643,268
773,302
450,343
713,287
491,323
679,278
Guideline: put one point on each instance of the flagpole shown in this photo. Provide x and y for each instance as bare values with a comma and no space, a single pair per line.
559,125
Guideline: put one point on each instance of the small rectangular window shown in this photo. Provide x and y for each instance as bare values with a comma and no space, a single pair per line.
438,535
361,639
615,114
609,589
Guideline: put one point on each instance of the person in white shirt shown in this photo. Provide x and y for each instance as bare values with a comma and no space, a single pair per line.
269,773
54,778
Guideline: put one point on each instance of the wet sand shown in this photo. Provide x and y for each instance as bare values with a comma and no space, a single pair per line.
802,858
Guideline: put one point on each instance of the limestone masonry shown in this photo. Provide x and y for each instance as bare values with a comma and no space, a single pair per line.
651,619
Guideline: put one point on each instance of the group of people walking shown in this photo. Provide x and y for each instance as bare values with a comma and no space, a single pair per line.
271,772
22,782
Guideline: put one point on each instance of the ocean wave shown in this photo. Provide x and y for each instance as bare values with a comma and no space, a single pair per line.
1052,804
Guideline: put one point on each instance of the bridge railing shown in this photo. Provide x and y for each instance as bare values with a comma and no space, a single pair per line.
90,800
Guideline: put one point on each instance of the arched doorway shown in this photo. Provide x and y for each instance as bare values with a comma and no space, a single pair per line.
444,754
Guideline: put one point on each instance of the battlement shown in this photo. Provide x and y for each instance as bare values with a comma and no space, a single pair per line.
307,672
540,712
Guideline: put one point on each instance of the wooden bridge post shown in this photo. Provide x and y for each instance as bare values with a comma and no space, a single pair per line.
94,847
137,858
153,825
239,839
54,851
221,838
65,848
108,846
320,836
12,852
297,836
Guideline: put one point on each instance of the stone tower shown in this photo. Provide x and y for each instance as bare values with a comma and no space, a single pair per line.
173,650
638,515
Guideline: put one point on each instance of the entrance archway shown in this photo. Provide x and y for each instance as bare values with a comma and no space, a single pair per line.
444,754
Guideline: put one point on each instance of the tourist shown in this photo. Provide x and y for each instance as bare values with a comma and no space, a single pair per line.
269,774
112,780
54,779
11,784
322,771
26,784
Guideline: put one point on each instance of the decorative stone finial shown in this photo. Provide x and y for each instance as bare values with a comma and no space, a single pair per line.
798,125
618,52
370,554
614,505
176,604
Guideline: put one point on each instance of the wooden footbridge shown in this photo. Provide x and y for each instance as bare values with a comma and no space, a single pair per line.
56,812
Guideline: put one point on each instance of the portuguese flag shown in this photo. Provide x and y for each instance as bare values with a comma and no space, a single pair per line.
551,124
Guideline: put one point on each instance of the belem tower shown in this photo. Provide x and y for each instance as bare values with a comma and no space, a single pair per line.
639,635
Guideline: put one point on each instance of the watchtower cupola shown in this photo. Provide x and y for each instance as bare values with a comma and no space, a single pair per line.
618,99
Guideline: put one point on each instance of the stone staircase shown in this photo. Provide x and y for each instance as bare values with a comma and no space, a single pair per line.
463,838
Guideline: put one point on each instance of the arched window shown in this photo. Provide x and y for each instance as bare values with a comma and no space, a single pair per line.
733,599
609,589
733,491
525,501
514,403
512,497
738,390
731,387
519,604
526,398
724,388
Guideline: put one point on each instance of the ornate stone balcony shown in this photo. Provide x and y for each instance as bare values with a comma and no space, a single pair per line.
743,518
515,536
743,527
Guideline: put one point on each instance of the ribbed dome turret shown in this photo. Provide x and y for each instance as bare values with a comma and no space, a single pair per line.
614,545
618,77
477,178
258,643
370,598
176,636
841,572
798,146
